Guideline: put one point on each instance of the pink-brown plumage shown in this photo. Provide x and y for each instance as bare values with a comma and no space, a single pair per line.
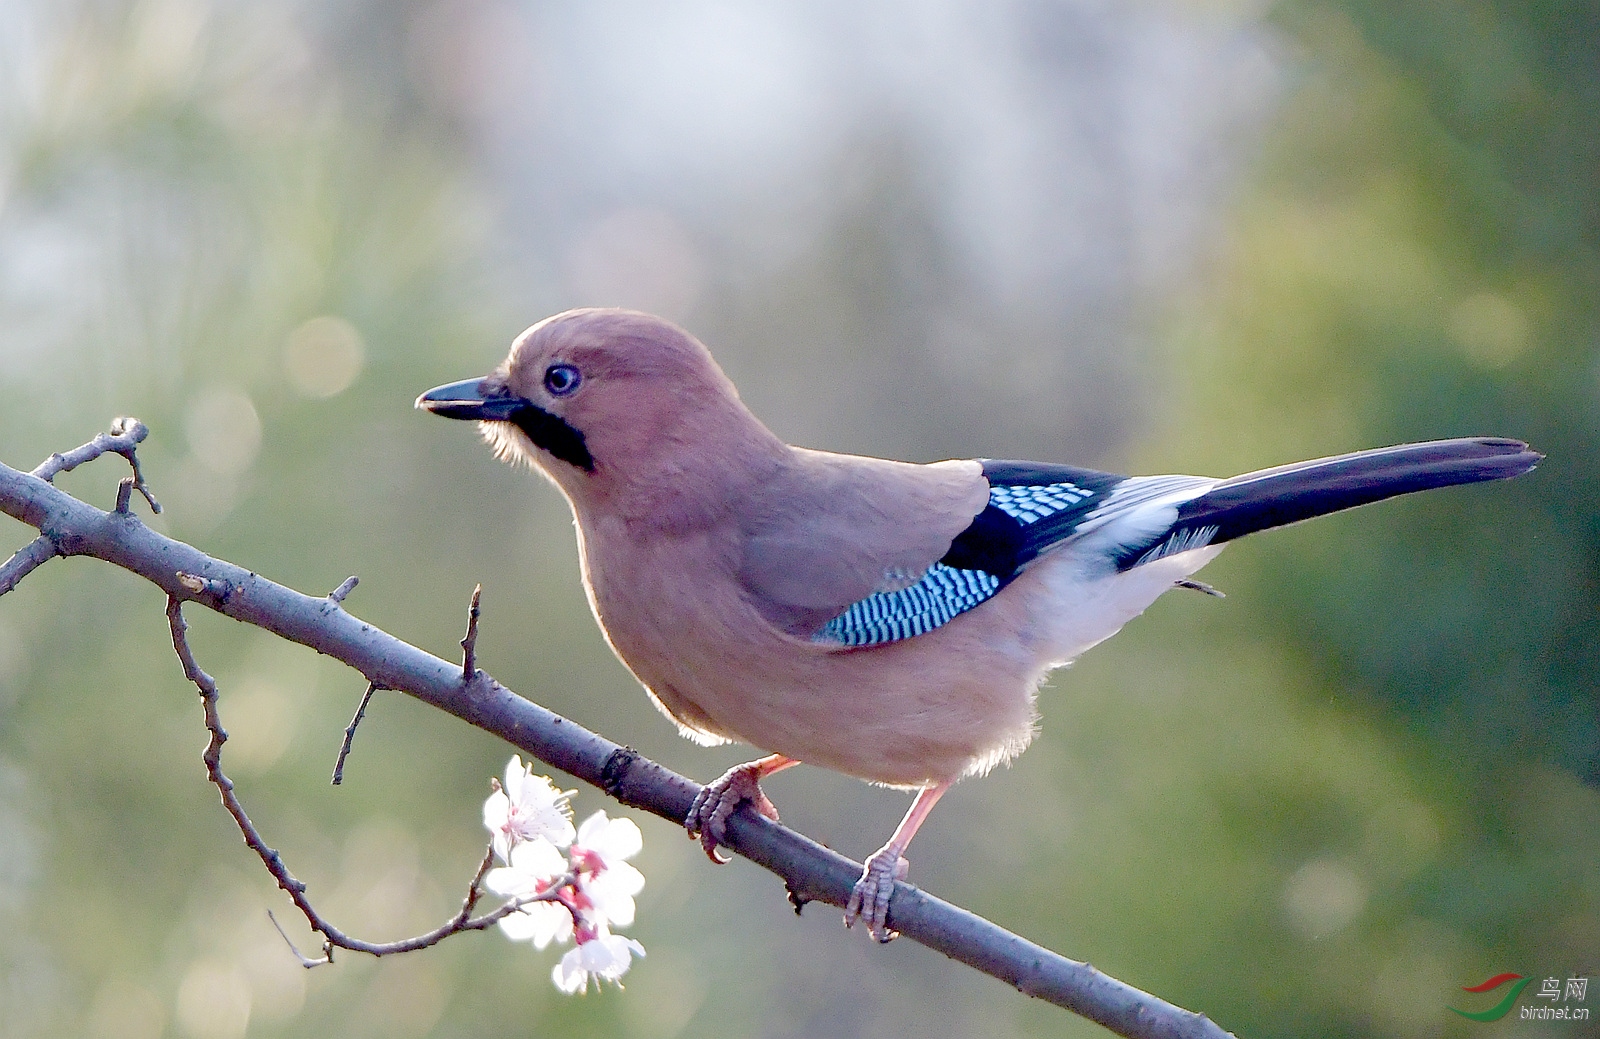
730,571
708,546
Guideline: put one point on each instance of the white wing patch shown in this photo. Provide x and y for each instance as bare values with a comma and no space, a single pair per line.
1140,510
1183,541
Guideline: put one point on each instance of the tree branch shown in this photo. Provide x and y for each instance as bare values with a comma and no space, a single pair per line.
24,561
126,435
810,871
350,733
295,888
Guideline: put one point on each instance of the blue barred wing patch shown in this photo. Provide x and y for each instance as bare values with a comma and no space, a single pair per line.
941,594
1030,503
1031,507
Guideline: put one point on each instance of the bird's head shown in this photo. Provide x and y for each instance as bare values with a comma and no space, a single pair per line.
612,404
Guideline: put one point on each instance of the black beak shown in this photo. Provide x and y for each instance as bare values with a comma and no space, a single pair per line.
467,400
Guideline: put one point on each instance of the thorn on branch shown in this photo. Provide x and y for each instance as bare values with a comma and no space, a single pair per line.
126,435
25,560
339,594
350,730
469,643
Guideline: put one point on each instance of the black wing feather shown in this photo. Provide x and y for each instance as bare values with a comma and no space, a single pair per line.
1024,517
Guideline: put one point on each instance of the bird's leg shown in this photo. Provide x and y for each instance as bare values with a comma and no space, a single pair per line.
870,898
708,817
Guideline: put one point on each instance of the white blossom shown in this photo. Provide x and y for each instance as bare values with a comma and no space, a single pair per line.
533,865
583,891
540,923
607,882
531,862
527,807
612,839
603,957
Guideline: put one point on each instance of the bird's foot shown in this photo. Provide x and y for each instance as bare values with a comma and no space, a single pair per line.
708,816
869,900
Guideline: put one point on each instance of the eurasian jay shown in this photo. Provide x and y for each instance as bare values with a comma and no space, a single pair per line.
884,619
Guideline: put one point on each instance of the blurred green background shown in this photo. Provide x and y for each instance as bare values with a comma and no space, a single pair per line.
1155,236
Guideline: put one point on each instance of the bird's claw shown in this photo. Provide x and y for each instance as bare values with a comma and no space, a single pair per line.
869,899
708,816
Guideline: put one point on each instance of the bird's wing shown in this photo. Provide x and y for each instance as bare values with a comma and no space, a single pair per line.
860,551
832,530
1031,508
1112,523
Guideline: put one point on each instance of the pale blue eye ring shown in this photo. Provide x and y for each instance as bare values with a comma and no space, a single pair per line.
561,379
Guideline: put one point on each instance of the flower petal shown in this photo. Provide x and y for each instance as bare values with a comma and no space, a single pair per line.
538,858
555,925
611,892
613,839
496,810
520,926
511,883
569,974
613,956
590,828
546,922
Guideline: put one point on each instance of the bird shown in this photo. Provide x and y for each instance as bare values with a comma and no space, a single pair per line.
888,620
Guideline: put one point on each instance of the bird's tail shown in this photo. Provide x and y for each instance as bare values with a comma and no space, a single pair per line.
1290,493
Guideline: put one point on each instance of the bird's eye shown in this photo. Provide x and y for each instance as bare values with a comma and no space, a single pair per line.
561,379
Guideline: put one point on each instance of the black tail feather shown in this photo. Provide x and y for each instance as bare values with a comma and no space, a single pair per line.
1290,493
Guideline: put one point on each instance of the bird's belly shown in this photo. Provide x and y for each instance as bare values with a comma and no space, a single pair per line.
954,701
897,717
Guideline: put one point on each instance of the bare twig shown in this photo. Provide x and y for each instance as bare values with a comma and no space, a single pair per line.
350,733
339,594
26,559
469,641
333,937
305,961
810,871
126,435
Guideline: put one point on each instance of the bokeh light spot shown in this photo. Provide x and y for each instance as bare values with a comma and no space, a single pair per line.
261,721
1323,897
224,431
323,356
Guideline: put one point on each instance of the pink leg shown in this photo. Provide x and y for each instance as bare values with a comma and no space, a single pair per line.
870,898
708,817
